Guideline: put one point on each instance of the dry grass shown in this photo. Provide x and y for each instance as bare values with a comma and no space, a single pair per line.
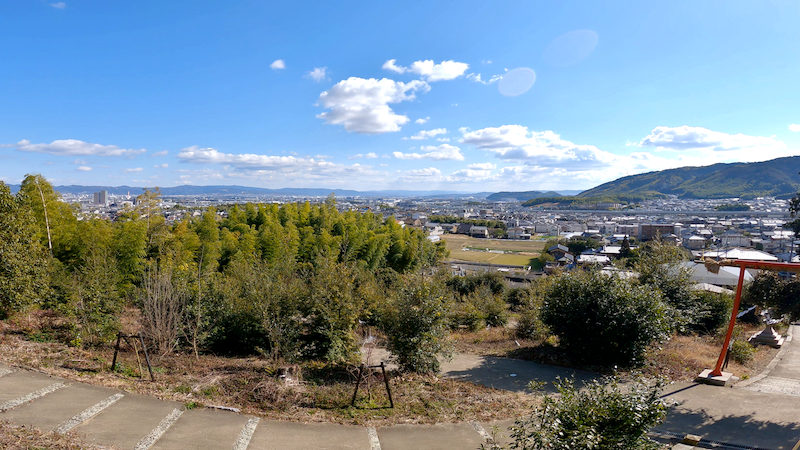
24,437
683,357
465,248
496,341
254,385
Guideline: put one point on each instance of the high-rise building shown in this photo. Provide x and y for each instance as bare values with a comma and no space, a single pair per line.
101,198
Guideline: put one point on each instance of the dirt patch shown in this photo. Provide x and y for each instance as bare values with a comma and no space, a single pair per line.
24,437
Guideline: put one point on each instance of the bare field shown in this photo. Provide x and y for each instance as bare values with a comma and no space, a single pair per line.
465,248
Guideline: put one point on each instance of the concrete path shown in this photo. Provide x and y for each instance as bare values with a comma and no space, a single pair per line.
782,377
130,421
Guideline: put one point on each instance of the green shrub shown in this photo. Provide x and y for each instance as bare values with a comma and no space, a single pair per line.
742,352
464,314
709,312
601,415
530,325
493,309
416,326
604,319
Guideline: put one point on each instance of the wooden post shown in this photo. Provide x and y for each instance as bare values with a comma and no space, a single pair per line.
116,350
386,381
358,384
146,357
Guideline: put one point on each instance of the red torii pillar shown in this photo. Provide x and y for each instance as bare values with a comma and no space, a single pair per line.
742,264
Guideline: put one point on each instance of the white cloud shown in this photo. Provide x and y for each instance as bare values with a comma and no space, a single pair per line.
161,153
429,70
84,168
318,74
476,77
422,120
428,171
133,170
270,169
794,127
161,166
427,134
74,147
536,147
474,173
482,166
690,138
437,152
278,64
700,146
58,5
392,67
370,155
362,105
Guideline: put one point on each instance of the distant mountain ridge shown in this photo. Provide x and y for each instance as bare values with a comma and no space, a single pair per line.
777,178
520,196
234,190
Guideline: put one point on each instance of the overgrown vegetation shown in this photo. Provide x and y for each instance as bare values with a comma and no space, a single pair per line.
602,414
290,281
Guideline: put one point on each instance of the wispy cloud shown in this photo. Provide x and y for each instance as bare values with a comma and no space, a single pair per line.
278,64
75,147
58,5
318,74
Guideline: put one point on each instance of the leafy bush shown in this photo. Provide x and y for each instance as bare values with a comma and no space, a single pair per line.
769,290
742,352
416,326
466,315
604,319
492,308
530,325
602,415
709,312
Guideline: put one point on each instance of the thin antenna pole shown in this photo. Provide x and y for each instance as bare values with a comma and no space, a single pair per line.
46,220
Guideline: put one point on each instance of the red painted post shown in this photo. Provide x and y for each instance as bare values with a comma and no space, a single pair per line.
718,368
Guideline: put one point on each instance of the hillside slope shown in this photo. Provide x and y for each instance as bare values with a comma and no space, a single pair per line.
777,177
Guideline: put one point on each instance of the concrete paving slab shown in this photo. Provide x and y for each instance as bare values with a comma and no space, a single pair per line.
203,429
127,421
21,383
734,416
48,412
289,435
430,437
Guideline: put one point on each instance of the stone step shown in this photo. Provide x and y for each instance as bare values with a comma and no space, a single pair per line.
127,422
203,429
18,384
50,411
271,435
430,437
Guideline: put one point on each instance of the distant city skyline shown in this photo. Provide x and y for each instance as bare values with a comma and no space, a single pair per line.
468,96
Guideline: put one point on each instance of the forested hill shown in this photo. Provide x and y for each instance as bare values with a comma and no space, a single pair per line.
519,196
777,177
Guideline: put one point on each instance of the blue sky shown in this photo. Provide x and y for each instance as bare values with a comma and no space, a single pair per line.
466,96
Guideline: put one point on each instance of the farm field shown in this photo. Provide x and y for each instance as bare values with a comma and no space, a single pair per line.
517,252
